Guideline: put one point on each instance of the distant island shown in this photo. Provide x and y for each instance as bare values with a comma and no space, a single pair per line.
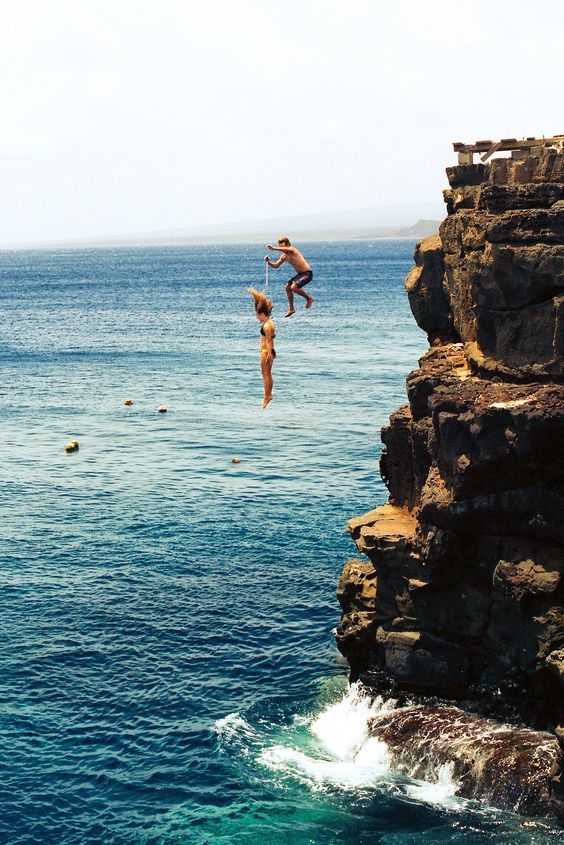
361,224
420,229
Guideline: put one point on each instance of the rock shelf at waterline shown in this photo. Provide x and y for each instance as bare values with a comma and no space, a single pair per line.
438,754
506,766
460,590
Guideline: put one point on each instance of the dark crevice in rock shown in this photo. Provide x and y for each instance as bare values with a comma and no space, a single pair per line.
547,295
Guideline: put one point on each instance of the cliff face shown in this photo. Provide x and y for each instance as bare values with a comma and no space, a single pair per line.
460,592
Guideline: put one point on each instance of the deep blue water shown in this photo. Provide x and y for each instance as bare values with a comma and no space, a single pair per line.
167,615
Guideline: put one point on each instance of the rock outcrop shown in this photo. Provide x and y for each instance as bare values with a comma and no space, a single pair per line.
461,590
509,767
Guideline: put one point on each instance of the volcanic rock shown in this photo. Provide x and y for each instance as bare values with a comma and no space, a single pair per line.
461,593
507,766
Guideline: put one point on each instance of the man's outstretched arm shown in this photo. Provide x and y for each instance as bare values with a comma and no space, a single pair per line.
287,250
270,263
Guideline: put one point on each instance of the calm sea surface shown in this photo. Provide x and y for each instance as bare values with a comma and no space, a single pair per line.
168,668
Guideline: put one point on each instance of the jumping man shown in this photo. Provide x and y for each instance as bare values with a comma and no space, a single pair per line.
304,273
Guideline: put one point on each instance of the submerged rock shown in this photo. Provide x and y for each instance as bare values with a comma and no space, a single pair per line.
507,767
461,592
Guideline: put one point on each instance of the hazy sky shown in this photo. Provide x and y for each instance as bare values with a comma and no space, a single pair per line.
133,115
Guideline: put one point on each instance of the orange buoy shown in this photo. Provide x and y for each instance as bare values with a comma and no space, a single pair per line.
128,402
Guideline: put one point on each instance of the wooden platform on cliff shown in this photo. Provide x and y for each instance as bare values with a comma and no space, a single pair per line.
518,148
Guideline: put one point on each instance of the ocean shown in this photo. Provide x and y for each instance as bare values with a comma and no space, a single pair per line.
168,665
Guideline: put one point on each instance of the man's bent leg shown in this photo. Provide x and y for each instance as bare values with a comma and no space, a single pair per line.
301,292
289,293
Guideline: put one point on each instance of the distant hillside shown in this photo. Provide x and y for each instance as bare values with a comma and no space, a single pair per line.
421,229
391,222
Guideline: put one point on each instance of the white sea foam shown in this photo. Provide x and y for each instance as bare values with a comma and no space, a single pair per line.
338,750
438,792
344,754
347,774
234,727
343,727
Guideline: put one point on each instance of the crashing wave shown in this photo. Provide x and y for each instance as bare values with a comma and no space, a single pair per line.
441,753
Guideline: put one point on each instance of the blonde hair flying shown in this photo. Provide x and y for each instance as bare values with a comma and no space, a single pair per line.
263,305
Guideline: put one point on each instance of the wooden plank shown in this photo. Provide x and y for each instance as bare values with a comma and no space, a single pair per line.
493,149
527,143
505,145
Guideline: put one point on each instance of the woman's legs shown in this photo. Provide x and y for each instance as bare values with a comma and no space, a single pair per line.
267,378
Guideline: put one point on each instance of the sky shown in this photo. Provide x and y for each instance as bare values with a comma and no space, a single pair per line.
132,115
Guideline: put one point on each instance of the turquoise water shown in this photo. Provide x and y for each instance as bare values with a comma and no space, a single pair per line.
169,672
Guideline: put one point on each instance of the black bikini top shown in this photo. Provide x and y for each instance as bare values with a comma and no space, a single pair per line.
262,332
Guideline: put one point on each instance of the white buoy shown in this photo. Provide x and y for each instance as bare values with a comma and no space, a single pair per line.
162,409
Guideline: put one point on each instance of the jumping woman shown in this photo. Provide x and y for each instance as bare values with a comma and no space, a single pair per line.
263,310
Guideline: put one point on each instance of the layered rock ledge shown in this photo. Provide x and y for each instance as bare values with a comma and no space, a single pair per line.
460,590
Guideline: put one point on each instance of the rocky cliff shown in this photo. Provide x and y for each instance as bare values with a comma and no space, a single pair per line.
459,592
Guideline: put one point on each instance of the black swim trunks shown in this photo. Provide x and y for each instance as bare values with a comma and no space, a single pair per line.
302,279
